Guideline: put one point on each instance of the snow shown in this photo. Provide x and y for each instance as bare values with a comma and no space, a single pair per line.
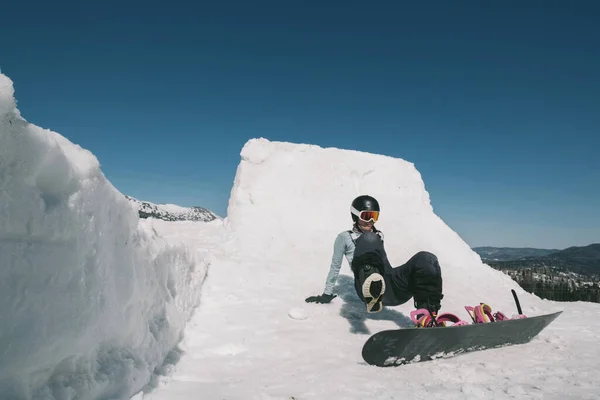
92,300
294,199
98,299
253,337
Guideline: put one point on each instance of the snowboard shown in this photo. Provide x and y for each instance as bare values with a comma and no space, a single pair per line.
404,346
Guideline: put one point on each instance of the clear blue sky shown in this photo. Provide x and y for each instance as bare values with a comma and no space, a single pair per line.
498,105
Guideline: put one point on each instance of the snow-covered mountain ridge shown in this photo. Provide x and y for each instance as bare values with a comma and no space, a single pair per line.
172,212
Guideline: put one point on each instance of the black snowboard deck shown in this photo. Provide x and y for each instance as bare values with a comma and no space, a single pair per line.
404,346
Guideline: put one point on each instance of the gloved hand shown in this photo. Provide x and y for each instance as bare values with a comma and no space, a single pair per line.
321,299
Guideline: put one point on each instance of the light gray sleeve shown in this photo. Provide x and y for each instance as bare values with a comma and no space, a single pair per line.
339,249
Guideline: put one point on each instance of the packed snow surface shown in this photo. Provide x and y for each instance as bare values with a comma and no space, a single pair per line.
92,300
254,337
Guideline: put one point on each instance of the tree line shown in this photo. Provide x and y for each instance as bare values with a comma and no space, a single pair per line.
550,285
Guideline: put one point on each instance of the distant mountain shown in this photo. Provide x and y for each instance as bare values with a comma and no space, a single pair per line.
510,253
572,274
583,254
581,260
172,212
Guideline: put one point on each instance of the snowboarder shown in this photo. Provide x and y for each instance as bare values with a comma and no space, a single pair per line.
376,282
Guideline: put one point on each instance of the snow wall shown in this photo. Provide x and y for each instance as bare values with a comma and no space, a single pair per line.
289,202
91,299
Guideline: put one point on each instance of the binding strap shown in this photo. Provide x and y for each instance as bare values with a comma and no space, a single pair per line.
482,314
423,319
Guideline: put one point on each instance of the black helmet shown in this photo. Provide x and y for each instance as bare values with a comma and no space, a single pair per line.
364,207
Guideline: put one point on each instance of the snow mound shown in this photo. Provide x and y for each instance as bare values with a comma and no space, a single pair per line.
92,300
172,212
289,201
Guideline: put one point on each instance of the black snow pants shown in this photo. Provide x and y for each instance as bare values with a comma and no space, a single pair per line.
419,278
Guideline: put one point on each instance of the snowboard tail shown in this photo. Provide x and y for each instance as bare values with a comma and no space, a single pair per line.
403,346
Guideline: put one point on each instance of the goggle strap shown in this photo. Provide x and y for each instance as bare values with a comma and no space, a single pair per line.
355,211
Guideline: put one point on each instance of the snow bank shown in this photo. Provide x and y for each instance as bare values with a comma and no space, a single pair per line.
92,300
289,201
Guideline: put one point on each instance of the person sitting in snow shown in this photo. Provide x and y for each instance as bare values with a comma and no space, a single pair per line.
376,282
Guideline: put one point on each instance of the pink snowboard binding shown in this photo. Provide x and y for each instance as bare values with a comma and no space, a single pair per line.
423,319
482,314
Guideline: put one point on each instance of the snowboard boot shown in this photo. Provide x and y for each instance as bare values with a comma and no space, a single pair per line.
426,281
430,303
372,287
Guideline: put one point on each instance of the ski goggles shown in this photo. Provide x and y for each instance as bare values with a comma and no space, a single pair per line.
365,215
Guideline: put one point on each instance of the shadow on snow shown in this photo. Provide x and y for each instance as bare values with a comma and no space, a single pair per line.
355,311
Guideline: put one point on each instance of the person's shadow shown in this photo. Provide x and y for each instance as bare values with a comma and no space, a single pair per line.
355,311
